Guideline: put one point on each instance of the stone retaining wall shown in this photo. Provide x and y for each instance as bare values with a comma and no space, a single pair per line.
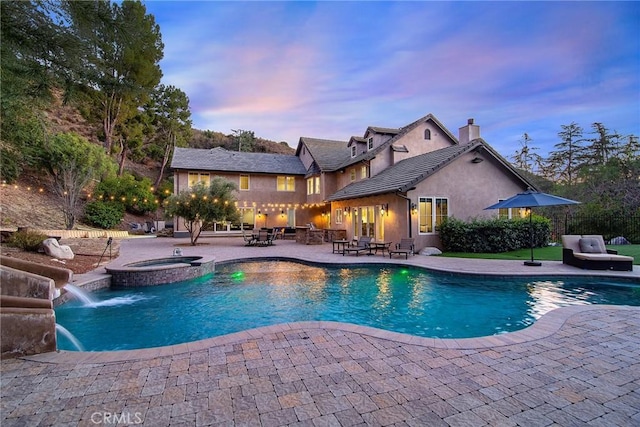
80,234
27,319
125,277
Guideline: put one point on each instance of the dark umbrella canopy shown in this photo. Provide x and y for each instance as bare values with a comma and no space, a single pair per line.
531,199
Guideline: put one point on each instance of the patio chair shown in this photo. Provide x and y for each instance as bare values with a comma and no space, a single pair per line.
589,252
361,246
405,247
264,238
249,239
278,233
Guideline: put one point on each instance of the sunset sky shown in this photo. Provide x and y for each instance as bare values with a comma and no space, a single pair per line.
330,69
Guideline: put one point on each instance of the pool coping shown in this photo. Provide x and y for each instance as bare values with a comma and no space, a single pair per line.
547,325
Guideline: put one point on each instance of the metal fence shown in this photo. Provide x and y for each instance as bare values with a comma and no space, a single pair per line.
609,226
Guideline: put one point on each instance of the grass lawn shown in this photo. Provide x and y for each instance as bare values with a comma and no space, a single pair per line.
550,253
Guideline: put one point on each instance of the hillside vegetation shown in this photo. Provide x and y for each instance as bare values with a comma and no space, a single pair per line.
29,201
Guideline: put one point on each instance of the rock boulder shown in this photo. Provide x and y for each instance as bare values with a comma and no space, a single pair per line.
56,250
430,251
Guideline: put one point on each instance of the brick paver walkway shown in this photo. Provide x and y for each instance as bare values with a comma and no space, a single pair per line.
576,366
586,373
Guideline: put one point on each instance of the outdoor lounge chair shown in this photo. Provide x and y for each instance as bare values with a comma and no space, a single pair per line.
589,252
361,246
405,247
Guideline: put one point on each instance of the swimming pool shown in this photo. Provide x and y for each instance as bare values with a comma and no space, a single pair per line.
246,295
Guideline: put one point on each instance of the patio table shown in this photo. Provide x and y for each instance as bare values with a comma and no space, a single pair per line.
382,246
339,245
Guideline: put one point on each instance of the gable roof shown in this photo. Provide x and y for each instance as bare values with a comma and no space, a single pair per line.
328,154
407,173
398,133
219,159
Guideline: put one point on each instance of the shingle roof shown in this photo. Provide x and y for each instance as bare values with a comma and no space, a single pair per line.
356,139
328,154
389,131
405,174
219,159
400,148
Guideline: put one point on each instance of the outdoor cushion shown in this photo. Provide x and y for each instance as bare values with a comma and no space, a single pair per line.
571,241
602,257
591,245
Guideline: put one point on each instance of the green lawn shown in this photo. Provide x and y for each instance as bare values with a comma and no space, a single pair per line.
550,253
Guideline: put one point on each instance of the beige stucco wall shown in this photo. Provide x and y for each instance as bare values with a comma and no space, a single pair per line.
469,187
305,157
262,195
416,144
394,218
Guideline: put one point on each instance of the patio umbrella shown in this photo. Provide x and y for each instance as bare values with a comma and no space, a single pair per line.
530,199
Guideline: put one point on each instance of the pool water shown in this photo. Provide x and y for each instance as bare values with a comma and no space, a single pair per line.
247,295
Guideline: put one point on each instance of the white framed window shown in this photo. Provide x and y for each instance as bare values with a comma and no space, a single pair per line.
291,217
431,212
244,183
364,172
338,216
247,218
370,144
510,213
309,185
286,183
352,174
196,177
317,181
354,150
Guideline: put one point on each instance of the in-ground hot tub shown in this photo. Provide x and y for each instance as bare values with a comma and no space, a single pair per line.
160,271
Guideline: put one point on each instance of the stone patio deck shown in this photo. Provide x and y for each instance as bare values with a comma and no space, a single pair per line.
576,366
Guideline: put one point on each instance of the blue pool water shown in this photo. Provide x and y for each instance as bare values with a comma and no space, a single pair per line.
251,294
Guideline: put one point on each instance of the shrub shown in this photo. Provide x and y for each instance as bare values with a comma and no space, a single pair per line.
26,240
164,190
104,214
493,235
134,195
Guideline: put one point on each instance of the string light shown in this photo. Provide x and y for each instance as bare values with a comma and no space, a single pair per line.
265,206
88,194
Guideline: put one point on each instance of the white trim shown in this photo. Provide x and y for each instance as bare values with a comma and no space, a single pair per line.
434,217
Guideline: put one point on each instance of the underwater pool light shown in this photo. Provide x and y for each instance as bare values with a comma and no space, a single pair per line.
237,275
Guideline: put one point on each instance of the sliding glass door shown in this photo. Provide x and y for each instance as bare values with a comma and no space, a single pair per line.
368,221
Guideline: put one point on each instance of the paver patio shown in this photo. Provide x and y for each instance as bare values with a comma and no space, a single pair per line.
576,366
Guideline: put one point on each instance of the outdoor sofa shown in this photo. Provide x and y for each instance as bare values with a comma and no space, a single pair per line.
589,252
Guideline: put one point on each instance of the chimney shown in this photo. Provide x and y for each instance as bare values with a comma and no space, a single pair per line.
469,132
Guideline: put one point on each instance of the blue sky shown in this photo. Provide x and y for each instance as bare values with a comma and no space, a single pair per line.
330,69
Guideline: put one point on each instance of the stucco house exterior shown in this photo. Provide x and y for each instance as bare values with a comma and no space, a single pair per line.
388,184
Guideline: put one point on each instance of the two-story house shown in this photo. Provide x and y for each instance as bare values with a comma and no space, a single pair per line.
388,184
